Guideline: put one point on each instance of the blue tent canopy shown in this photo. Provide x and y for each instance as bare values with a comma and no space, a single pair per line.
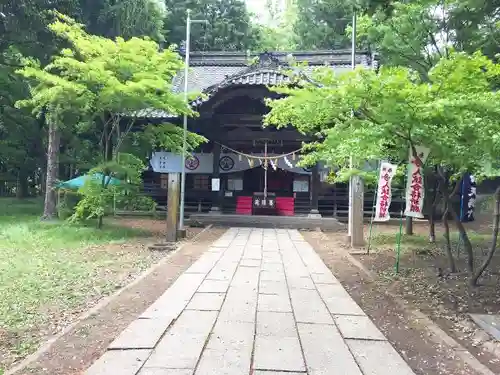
78,182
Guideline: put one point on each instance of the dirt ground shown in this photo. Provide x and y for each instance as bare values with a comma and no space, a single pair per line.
72,353
446,299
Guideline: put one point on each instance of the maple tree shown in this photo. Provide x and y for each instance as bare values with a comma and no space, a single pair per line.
453,112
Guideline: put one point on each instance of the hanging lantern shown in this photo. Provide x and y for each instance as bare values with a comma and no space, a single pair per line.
239,157
293,156
250,162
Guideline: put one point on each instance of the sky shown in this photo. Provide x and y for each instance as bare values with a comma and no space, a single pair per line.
259,8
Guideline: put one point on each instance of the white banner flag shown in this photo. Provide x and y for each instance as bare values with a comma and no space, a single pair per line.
384,191
415,191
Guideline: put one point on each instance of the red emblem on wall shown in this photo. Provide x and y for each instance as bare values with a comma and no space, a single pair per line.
192,162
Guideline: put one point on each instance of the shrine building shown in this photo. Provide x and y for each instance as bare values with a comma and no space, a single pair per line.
228,174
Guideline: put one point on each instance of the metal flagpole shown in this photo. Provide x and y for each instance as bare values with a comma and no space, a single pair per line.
189,21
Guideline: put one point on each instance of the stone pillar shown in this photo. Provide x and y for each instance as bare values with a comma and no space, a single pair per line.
173,207
315,182
216,195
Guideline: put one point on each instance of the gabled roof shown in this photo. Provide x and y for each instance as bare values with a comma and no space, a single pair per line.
211,71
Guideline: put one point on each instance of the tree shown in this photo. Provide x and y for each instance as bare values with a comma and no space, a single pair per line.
321,24
228,28
97,82
454,114
418,33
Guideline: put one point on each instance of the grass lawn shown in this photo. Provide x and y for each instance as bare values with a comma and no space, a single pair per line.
51,272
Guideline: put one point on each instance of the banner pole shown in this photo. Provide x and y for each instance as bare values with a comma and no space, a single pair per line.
373,212
398,243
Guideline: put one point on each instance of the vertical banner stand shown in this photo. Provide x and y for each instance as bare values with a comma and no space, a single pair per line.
398,243
373,212
400,235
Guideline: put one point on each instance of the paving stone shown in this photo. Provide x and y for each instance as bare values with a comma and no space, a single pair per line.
182,345
378,358
326,352
240,305
123,362
165,371
174,300
272,276
309,308
272,267
141,334
357,327
274,302
229,350
271,256
338,301
277,373
223,271
205,263
272,287
246,277
300,283
206,301
324,278
250,263
278,354
276,324
214,286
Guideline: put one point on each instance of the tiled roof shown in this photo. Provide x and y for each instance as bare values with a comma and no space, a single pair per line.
211,71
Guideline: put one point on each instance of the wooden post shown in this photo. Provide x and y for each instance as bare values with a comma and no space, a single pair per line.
358,209
172,206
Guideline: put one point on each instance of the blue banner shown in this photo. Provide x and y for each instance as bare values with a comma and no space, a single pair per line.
468,198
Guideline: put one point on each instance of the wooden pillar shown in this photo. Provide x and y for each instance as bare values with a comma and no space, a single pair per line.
173,206
216,195
315,182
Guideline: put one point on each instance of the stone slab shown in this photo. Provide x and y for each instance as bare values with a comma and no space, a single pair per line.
223,271
272,276
141,334
165,371
182,345
278,354
300,283
274,302
206,301
174,300
338,301
378,358
490,323
246,277
250,263
229,350
272,287
309,308
276,324
357,327
123,362
214,286
326,352
324,278
277,373
240,305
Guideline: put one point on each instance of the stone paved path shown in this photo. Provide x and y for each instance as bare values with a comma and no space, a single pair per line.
261,302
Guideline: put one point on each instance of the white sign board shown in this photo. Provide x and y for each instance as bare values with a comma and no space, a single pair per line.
215,184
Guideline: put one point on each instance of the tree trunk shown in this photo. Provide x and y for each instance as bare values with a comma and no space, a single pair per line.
460,226
449,253
54,138
494,239
22,185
